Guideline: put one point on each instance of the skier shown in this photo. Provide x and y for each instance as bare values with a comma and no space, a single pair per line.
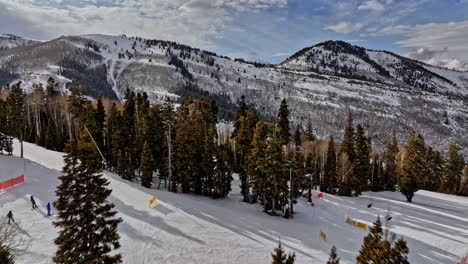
33,202
48,209
10,217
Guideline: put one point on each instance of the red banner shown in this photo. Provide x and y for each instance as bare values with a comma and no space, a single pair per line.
11,182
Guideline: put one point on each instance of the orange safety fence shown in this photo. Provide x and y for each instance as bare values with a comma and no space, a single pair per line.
11,182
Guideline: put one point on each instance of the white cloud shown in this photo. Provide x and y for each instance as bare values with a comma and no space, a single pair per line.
373,5
345,27
281,54
440,44
195,22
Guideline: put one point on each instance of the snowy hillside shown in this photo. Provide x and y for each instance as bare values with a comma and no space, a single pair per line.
192,229
8,41
385,91
344,59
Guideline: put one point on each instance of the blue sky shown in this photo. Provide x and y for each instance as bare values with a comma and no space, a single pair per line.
435,31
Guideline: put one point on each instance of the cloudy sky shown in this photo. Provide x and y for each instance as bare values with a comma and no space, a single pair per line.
435,31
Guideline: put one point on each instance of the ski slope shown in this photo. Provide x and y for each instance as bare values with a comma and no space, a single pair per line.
192,229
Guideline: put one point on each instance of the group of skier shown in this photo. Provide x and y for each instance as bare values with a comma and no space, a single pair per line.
34,206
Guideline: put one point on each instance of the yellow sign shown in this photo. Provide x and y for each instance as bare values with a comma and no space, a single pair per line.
356,223
323,236
361,225
152,200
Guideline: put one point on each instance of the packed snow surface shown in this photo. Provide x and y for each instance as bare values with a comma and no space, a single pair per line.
192,229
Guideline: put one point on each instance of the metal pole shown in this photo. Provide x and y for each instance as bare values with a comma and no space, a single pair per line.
290,191
104,159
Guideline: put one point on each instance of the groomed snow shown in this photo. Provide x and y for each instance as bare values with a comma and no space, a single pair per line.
193,229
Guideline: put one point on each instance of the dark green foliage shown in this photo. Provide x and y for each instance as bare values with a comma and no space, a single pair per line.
435,170
329,181
179,64
376,174
222,177
199,164
6,257
276,170
361,161
16,111
191,91
347,145
92,79
376,250
240,112
51,135
87,222
280,257
390,175
309,132
257,163
282,123
334,259
413,168
146,166
454,169
112,124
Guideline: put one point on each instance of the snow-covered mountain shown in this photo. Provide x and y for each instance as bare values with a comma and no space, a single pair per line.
385,91
8,41
344,59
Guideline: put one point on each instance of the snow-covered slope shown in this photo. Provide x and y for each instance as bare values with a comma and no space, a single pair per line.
384,90
8,41
192,229
344,59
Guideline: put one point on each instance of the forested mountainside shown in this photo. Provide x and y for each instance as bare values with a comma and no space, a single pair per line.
383,90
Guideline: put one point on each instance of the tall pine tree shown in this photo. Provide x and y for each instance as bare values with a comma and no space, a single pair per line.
87,222
454,168
329,181
282,123
413,166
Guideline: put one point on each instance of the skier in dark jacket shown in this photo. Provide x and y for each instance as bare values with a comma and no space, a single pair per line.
10,217
48,209
33,202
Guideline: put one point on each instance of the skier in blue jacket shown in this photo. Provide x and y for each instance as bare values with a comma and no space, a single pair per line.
48,209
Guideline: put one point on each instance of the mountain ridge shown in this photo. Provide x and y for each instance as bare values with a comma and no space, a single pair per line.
412,95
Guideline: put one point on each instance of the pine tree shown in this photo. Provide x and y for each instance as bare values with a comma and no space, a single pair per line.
51,136
309,132
243,144
334,259
275,170
113,124
347,145
391,169
88,223
256,162
413,166
16,112
435,170
146,166
372,249
280,257
454,168
99,119
361,161
375,250
240,112
329,181
297,138
5,256
222,174
282,123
